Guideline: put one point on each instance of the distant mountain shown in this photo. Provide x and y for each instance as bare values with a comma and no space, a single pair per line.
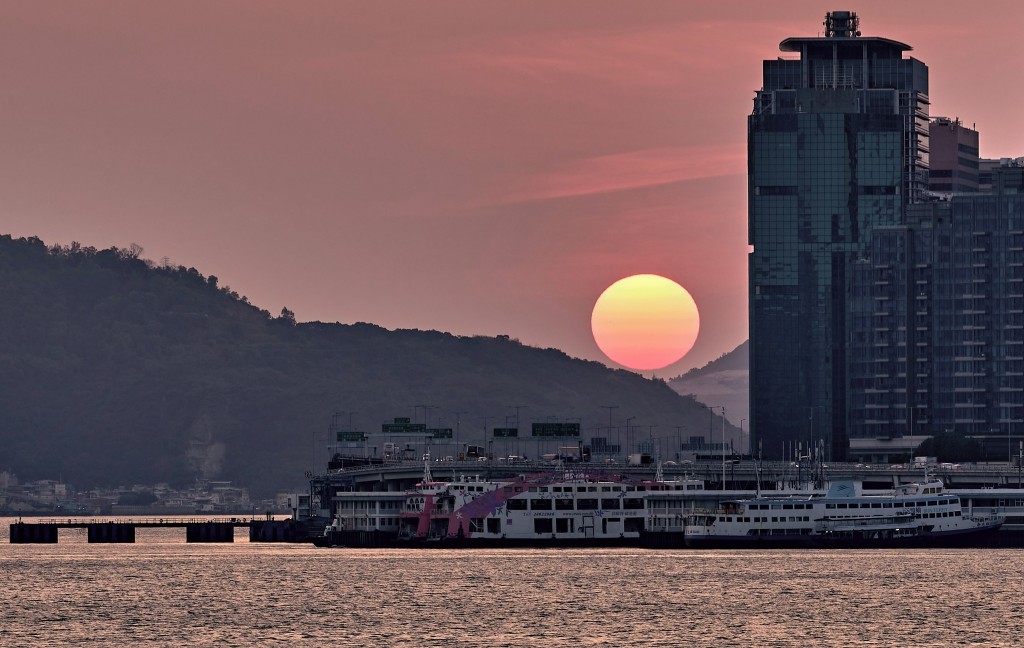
114,370
723,381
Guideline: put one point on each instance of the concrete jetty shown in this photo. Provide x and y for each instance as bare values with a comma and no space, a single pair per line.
122,530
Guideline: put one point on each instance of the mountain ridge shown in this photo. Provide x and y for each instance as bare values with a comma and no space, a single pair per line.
116,370
725,381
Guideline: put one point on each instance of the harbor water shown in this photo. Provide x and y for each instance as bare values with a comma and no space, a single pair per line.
162,591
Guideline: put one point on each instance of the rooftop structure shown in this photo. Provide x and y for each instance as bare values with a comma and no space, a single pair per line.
954,163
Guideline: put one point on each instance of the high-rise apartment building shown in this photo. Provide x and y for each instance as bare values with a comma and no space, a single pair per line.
937,323
837,147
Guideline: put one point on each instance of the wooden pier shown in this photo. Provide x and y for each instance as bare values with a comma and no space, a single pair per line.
122,530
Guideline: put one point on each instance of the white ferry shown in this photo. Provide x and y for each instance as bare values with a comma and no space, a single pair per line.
574,506
918,515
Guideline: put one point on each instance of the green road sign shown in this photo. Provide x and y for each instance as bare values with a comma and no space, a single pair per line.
556,429
403,428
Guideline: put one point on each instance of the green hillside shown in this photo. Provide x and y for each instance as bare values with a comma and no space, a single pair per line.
114,370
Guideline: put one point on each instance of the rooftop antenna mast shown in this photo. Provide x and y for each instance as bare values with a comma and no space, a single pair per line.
842,24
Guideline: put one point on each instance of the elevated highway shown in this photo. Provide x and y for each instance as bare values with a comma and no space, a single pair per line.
740,476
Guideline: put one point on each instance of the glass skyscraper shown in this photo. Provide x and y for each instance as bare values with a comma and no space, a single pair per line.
837,146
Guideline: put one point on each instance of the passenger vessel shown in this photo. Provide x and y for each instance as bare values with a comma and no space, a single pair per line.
572,506
916,515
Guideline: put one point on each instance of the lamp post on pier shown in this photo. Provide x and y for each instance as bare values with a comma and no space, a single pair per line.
723,447
711,425
609,408
458,422
679,441
487,442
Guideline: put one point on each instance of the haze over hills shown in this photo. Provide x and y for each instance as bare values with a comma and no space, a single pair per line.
723,381
114,370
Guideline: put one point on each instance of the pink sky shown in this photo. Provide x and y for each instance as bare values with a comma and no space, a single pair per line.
474,167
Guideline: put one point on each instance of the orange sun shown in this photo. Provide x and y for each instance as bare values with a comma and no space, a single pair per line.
645,322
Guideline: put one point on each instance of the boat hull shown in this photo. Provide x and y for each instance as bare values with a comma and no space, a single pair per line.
375,539
988,536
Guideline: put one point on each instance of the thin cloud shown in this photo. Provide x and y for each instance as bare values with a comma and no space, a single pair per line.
651,57
631,170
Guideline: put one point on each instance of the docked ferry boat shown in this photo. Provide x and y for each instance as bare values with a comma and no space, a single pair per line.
915,515
572,506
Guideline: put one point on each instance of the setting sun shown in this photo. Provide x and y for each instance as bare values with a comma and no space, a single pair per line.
645,322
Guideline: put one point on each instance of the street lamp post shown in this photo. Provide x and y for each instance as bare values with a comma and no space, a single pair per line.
486,441
628,439
316,453
1009,445
507,425
711,433
723,447
650,439
517,408
810,443
742,421
350,429
610,408
458,421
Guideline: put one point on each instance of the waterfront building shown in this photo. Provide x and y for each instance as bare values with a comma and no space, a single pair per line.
837,147
937,326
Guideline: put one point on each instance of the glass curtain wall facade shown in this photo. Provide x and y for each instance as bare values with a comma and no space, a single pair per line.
837,146
892,345
937,322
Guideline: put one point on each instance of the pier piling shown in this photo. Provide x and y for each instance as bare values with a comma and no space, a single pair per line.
123,530
210,532
24,533
278,531
111,532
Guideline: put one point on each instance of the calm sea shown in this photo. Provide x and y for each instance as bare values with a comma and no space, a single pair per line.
164,592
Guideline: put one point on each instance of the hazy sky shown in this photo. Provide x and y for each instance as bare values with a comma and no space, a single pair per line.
474,167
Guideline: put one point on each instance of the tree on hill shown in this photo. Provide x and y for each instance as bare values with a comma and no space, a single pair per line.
115,370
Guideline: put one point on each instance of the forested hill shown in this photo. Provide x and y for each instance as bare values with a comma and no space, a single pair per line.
114,370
